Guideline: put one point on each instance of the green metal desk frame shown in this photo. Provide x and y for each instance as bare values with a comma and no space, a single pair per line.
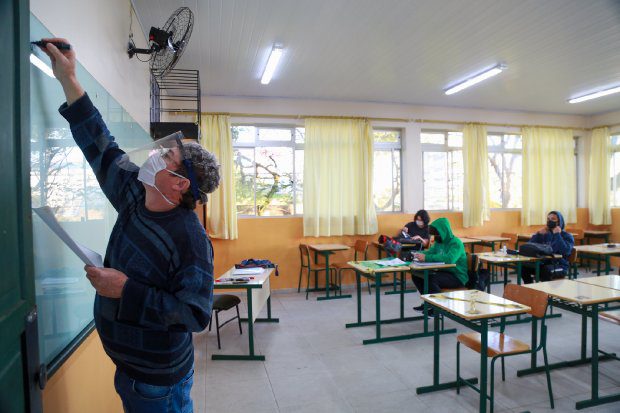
585,311
394,284
338,293
269,319
378,322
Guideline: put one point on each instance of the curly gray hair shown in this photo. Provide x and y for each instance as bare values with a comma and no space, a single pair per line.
206,170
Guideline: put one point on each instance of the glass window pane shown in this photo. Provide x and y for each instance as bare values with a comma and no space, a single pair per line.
456,180
494,140
299,181
391,136
455,139
243,134
274,181
513,142
495,179
274,134
300,135
513,178
615,179
397,204
382,180
244,180
435,180
433,137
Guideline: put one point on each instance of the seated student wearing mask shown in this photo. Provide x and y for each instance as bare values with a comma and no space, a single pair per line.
416,231
446,248
561,243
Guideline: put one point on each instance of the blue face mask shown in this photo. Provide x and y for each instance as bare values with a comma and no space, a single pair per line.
153,165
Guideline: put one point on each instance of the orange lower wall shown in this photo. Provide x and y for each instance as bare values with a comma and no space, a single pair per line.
277,239
84,383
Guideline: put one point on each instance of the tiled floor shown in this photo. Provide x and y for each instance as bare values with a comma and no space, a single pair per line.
315,364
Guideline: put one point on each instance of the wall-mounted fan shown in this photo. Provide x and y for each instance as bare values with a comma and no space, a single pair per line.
166,44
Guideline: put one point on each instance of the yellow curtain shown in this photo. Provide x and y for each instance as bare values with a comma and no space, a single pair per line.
338,167
222,208
598,177
476,198
549,176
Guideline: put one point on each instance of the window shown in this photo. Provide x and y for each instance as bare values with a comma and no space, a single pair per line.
387,170
505,170
268,167
442,157
614,170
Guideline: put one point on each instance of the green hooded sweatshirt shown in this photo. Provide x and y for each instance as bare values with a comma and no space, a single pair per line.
450,250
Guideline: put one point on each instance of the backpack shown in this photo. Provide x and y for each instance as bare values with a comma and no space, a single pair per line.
390,245
478,280
253,263
536,250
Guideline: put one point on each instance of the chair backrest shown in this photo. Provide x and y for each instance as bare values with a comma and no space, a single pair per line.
304,255
513,239
361,246
573,256
577,233
536,300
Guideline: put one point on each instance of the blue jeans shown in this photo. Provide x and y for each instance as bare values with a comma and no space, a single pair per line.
140,397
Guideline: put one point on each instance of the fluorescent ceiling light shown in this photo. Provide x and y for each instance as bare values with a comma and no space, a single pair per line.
272,63
41,65
595,95
476,79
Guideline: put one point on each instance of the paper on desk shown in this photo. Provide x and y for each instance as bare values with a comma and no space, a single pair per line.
390,263
427,264
87,255
248,271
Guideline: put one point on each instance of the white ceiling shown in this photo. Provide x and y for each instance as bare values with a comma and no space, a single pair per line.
406,51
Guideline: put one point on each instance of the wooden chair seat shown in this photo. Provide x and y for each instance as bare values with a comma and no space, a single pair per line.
611,316
498,344
341,266
447,290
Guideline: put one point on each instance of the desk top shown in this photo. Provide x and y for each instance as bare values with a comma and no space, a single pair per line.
257,280
576,292
498,257
605,281
595,232
487,305
601,249
491,238
417,267
467,240
371,267
328,247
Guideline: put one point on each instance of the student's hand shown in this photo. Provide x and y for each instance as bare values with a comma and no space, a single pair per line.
419,257
63,66
556,230
417,237
107,281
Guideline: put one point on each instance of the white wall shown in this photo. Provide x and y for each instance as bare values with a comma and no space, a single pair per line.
609,118
99,30
412,154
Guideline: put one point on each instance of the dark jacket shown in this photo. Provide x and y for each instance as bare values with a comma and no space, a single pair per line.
561,243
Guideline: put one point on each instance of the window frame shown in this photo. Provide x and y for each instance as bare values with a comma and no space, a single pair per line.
435,147
502,149
391,147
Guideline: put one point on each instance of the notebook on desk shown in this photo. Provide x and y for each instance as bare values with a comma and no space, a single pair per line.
248,271
427,264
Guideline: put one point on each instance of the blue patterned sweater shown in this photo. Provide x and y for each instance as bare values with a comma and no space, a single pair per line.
166,255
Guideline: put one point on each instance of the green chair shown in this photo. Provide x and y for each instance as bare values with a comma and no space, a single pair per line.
573,271
500,345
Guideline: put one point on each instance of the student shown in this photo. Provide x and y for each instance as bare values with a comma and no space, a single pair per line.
561,243
157,284
446,248
417,230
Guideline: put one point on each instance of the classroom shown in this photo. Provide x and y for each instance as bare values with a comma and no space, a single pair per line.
310,206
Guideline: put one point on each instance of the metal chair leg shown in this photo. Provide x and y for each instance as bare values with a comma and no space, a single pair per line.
239,319
308,283
301,270
503,370
217,329
492,389
548,374
458,367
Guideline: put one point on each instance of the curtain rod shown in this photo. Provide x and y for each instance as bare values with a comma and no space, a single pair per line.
401,120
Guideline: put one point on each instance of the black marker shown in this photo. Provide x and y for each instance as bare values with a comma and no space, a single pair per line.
59,45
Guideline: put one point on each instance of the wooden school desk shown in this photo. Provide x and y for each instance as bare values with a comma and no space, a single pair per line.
325,250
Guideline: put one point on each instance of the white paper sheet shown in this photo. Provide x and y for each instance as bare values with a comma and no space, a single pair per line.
248,271
390,263
87,255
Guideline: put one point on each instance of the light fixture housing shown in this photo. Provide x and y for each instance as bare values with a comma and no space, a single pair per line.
595,95
495,70
42,65
272,63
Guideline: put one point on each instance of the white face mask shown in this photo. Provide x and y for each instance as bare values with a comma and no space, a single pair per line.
154,164
420,224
